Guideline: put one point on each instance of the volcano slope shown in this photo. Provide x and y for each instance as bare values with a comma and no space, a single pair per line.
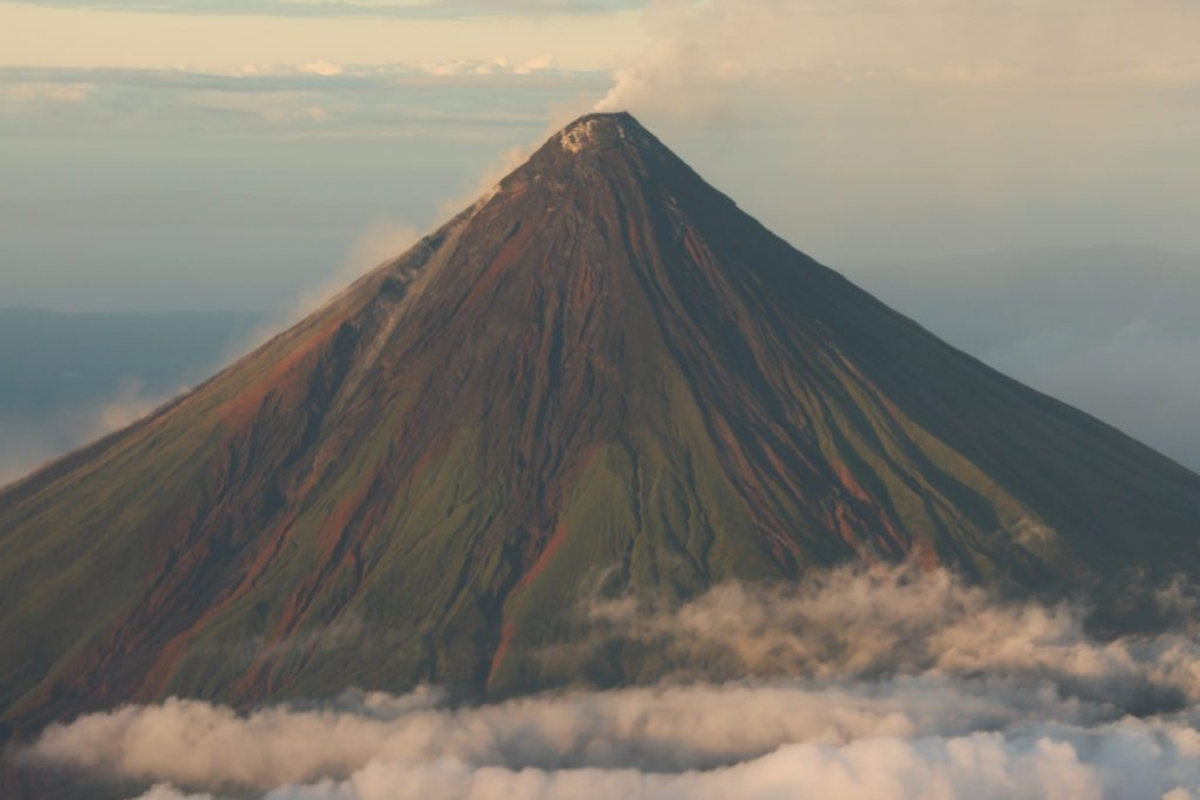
602,377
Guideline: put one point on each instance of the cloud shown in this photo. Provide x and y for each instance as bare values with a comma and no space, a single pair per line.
899,684
405,9
675,731
322,67
886,621
46,91
534,65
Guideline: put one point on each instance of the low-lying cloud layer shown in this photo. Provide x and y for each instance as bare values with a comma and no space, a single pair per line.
898,684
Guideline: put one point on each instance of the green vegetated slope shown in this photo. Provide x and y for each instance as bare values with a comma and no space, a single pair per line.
603,377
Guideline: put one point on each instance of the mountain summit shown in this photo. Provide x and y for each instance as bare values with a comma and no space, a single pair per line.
601,376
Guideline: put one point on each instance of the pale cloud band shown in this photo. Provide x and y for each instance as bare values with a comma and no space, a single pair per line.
403,9
173,36
905,686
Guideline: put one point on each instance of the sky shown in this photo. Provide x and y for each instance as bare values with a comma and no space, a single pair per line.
240,154
227,154
246,154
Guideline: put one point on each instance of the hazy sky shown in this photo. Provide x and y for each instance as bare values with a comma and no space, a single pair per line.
239,154
229,153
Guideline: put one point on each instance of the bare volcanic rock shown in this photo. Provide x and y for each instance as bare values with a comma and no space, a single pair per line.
602,377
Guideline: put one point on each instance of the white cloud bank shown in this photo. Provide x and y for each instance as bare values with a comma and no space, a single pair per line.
904,738
909,686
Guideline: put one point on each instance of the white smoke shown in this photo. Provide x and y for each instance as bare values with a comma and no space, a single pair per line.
897,684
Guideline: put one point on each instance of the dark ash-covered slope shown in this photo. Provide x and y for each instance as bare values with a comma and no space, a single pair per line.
602,372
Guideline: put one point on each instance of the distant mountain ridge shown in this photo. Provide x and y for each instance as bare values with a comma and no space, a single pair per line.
601,374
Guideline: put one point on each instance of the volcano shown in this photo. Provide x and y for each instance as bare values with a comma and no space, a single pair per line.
601,377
